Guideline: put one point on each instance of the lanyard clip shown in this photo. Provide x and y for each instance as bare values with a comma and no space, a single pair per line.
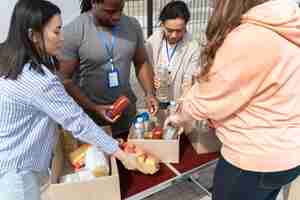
112,64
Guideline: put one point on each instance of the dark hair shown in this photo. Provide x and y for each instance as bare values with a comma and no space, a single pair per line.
225,17
86,5
173,10
18,49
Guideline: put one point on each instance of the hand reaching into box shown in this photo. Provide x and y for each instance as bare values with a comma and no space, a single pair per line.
137,159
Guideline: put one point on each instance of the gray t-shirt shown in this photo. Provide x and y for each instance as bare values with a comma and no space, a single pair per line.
82,42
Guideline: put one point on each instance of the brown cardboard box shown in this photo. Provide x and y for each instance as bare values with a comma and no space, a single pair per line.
58,159
165,150
203,141
106,187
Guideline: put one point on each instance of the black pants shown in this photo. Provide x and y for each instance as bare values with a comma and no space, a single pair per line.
232,183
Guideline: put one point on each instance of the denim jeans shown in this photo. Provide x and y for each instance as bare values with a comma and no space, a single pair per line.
232,183
20,185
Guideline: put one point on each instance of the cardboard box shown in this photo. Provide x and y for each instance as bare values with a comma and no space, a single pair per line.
203,141
165,150
106,187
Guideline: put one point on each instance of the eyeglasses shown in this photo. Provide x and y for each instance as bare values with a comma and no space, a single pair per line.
170,31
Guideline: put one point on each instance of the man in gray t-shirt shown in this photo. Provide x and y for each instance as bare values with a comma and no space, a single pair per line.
99,47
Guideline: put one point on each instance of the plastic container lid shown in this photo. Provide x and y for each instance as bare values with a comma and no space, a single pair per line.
172,103
145,116
139,120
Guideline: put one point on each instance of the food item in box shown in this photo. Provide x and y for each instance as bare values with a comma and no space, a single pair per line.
139,128
81,175
148,135
77,157
100,171
170,133
157,133
141,158
69,143
139,151
96,162
146,119
128,148
151,164
154,121
118,107
147,164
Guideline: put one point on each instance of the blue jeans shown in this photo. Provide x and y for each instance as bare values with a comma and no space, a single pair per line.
232,183
20,185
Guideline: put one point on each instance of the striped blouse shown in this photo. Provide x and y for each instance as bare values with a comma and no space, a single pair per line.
30,109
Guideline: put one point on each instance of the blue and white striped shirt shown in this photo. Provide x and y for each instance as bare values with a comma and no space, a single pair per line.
30,108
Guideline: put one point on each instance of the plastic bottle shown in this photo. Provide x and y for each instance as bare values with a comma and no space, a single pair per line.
96,162
187,83
139,128
146,120
172,108
162,93
171,132
204,126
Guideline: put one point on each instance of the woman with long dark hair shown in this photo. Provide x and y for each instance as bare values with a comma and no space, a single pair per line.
248,90
33,101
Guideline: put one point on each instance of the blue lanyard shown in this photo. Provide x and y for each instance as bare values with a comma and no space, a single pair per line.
105,41
172,54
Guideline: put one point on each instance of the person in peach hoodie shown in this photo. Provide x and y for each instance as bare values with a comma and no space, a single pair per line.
248,90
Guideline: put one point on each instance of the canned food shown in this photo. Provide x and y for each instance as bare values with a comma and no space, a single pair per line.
118,107
157,133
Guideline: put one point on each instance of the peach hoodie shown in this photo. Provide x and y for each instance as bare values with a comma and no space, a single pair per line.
253,96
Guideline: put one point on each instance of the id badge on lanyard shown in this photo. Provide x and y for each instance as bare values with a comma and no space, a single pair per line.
170,55
113,77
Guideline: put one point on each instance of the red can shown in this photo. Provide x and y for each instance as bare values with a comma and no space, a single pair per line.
118,107
157,133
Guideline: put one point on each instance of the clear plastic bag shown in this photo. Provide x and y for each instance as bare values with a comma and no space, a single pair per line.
96,162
